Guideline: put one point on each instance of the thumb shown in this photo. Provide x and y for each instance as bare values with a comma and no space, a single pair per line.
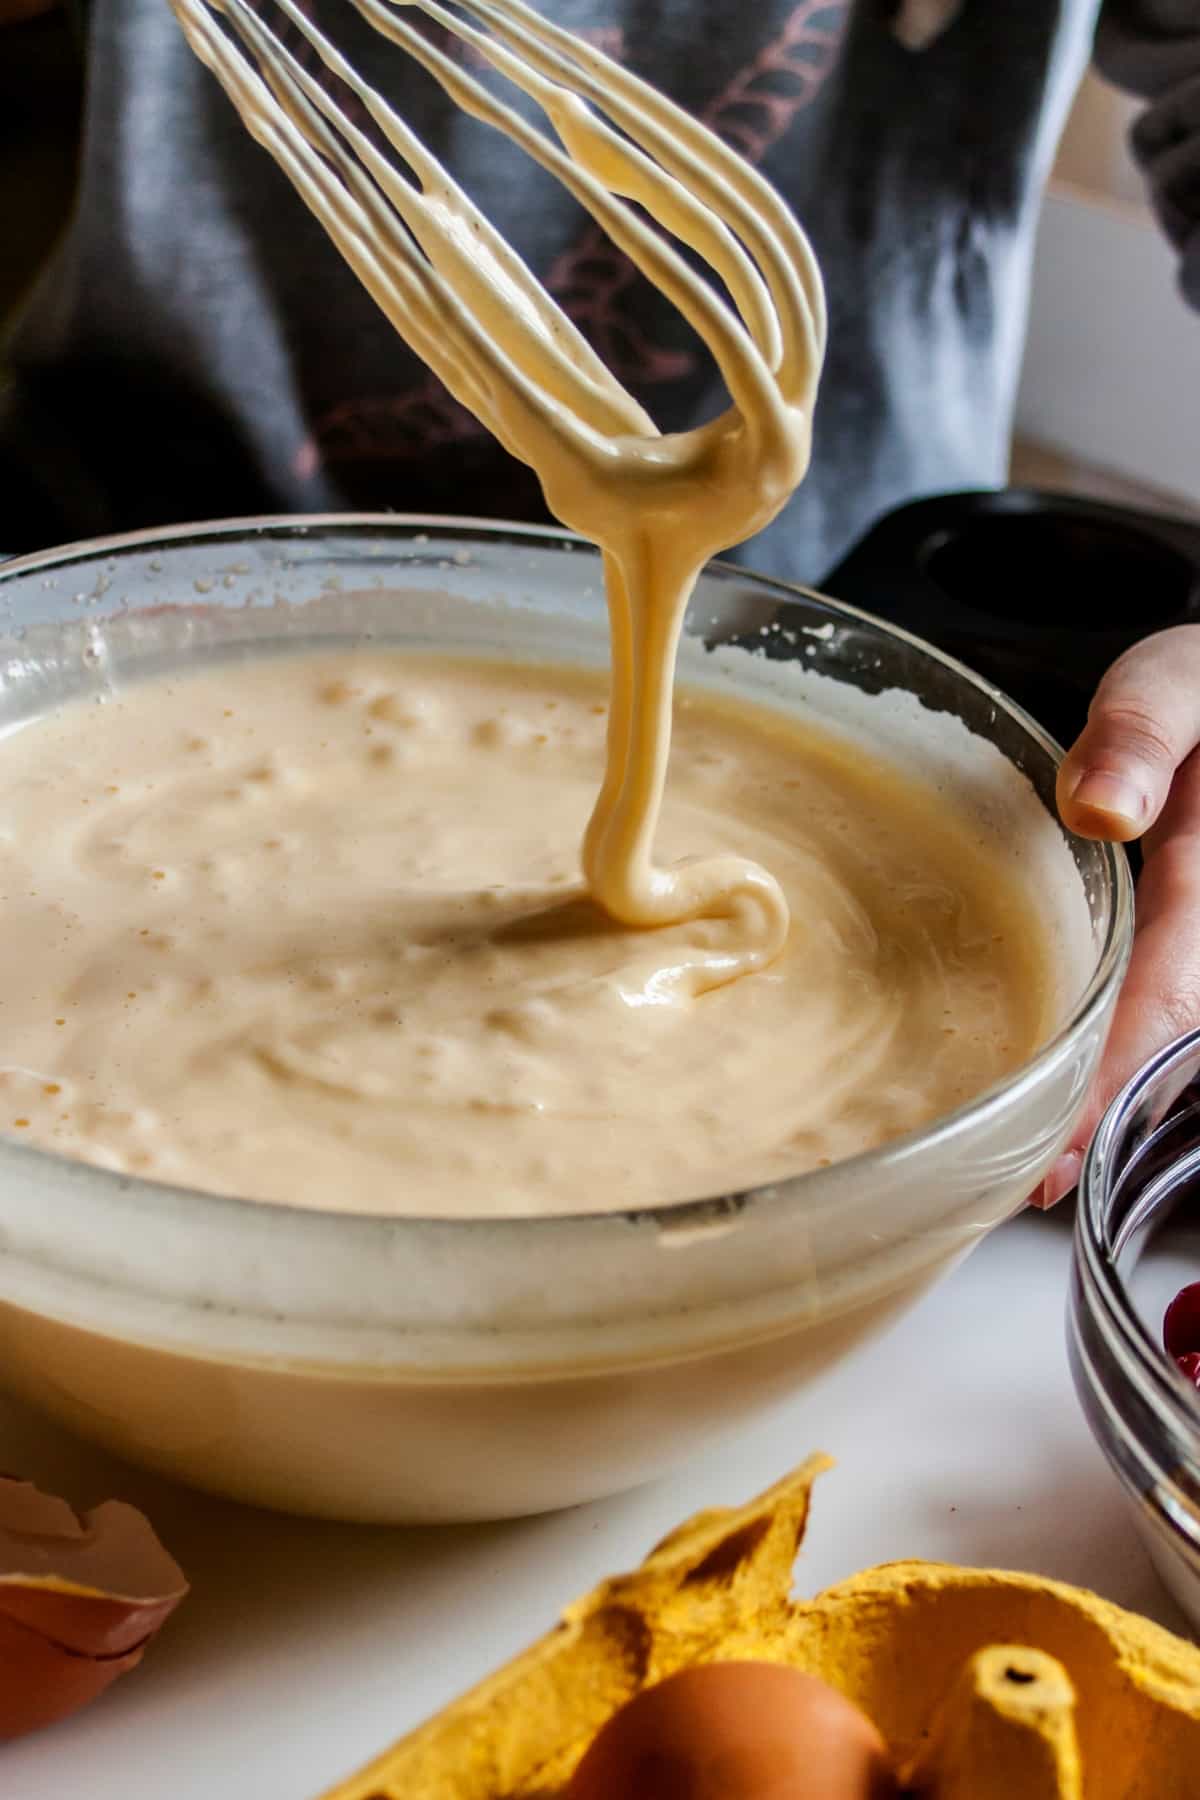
1143,721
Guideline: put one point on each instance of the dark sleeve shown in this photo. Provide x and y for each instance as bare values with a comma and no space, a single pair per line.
1152,48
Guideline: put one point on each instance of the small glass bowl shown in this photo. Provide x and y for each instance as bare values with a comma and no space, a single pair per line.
1137,1242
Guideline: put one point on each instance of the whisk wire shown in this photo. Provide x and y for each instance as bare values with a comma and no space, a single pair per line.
560,85
424,211
720,329
283,116
767,227
431,258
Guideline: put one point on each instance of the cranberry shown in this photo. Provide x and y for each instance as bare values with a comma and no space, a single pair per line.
1181,1326
1189,1366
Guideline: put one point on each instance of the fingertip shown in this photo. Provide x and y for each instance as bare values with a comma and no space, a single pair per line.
1100,827
1100,803
1063,1176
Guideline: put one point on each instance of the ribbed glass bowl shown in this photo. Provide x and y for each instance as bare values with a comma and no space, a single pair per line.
419,1368
1137,1242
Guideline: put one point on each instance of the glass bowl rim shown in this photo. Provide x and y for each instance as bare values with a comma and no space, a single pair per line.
1101,1284
673,1216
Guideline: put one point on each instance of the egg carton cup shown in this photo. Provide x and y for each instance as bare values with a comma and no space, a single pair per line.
984,1684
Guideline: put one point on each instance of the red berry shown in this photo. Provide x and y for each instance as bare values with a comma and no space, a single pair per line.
1189,1365
1181,1326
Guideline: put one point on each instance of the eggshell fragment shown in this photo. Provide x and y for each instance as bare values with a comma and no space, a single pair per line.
736,1731
41,1683
81,1595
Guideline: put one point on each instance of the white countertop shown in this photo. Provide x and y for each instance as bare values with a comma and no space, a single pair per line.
304,1649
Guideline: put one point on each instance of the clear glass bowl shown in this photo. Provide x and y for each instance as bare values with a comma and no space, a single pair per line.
419,1369
1137,1242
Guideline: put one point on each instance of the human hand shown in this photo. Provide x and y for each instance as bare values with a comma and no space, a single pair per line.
1165,141
1152,48
1133,772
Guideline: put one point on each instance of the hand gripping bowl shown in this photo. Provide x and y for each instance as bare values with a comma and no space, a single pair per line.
421,1369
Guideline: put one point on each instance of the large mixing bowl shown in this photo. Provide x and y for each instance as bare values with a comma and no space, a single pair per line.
420,1369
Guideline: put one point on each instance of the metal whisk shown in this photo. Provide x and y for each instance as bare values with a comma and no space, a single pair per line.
428,255
658,505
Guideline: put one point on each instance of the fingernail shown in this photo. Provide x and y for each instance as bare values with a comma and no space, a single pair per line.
1061,1179
1111,797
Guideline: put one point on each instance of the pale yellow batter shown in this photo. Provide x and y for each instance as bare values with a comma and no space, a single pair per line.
314,931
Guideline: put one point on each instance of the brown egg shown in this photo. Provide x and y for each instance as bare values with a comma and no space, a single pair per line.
81,1595
736,1731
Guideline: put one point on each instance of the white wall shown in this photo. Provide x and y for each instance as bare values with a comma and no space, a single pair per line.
1112,364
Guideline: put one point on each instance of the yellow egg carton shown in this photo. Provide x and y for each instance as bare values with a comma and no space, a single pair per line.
986,1686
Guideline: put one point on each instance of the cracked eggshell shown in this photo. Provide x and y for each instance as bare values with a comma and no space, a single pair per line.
40,1682
81,1596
